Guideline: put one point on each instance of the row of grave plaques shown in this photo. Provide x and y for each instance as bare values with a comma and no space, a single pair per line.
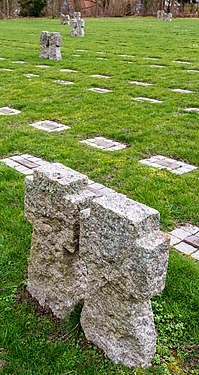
157,161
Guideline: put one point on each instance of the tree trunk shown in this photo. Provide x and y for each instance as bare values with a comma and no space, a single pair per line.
7,8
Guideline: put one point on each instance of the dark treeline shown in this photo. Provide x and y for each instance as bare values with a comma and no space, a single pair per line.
103,8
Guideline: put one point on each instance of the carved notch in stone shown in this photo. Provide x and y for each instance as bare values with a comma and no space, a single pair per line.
53,199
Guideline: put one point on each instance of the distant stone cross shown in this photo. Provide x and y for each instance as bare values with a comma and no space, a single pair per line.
65,11
65,19
161,14
77,25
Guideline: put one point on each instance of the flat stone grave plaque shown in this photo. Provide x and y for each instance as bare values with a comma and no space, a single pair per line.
152,58
182,62
101,53
99,90
42,66
99,76
9,111
192,110
62,82
76,55
124,55
104,144
2,59
172,165
82,50
156,66
49,126
192,71
183,91
193,240
147,100
102,58
68,70
24,164
30,75
195,255
139,83
7,70
186,240
19,62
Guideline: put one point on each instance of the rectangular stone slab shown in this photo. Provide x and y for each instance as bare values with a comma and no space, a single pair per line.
193,240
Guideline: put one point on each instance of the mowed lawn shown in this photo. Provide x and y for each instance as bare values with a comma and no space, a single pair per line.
124,50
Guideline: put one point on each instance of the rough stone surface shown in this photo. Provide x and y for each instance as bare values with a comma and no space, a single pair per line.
55,42
77,25
65,19
50,45
53,200
44,44
162,15
126,260
92,244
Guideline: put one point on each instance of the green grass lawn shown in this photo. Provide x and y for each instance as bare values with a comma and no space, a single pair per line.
31,341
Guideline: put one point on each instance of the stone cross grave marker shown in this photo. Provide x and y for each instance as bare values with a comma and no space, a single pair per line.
50,45
104,250
77,25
